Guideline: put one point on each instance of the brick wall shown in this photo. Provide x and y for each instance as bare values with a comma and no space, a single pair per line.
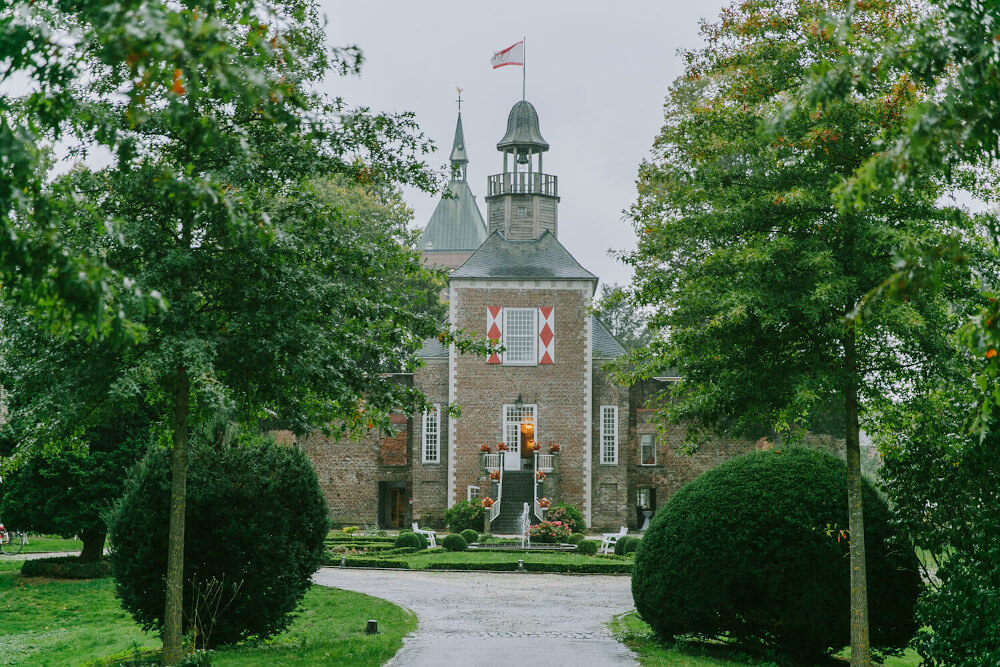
350,470
610,481
559,389
430,480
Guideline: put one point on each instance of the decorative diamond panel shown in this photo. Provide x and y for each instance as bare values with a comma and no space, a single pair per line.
546,335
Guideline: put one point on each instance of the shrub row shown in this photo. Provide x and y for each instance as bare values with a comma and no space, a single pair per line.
627,545
360,538
588,547
66,567
571,568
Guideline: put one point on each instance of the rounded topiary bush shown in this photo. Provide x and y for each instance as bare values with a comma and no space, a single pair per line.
753,548
454,542
255,523
627,545
588,547
576,538
409,540
470,536
568,515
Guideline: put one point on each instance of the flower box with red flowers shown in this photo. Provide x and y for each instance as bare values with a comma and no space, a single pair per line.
495,475
487,502
484,448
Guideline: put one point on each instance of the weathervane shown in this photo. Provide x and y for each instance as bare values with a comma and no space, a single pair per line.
459,99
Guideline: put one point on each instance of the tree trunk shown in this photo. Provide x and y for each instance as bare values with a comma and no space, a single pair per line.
860,645
173,631
93,545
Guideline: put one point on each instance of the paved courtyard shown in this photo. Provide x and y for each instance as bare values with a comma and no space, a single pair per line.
500,619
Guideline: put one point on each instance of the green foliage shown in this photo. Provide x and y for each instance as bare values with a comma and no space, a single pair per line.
588,547
255,523
410,540
569,515
942,482
627,545
470,536
465,515
743,252
549,532
66,567
576,538
454,542
68,491
628,324
757,549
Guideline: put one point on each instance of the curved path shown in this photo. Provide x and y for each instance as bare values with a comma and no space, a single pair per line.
499,619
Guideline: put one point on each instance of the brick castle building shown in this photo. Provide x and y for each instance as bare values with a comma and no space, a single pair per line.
557,427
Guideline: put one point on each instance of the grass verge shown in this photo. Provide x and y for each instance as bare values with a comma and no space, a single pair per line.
47,622
49,543
632,631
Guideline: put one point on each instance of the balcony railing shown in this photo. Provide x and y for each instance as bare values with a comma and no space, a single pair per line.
493,461
523,183
544,463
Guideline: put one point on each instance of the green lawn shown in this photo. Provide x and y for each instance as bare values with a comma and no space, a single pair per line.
46,543
632,631
79,622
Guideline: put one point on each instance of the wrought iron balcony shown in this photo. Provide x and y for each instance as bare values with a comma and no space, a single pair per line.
522,183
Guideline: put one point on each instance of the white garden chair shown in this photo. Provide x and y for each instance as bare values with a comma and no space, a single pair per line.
429,534
608,540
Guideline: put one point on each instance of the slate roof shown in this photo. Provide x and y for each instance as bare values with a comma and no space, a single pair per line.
541,258
458,154
456,223
606,346
433,349
522,129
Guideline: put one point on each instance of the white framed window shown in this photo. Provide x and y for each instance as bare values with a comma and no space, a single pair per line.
647,449
471,493
522,210
609,434
512,419
520,336
431,444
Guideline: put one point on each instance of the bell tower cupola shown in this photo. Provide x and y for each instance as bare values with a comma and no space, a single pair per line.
522,201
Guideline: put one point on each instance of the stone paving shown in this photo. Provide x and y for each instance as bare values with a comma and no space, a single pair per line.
479,618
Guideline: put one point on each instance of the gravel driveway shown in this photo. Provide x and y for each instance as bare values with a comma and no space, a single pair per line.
500,619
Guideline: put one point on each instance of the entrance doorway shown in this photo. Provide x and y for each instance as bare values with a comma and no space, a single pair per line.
519,434
393,503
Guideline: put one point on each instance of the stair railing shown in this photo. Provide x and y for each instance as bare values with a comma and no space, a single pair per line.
494,509
539,511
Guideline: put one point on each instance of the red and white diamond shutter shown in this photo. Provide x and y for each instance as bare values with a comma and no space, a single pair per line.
494,325
546,335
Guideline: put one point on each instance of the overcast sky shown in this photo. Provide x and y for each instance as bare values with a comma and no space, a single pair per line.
597,75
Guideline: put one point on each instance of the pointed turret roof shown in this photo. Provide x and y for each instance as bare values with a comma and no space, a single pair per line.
458,155
457,223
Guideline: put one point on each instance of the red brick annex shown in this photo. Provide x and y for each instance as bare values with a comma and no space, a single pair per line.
543,422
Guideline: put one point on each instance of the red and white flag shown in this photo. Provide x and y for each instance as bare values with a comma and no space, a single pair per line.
512,55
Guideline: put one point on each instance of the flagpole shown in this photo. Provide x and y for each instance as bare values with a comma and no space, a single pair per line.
524,66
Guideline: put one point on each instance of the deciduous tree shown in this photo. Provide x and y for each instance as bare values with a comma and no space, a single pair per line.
753,269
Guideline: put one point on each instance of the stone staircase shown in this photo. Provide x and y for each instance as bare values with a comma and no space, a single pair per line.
517,490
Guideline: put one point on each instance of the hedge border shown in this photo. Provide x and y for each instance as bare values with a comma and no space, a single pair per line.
552,568
65,567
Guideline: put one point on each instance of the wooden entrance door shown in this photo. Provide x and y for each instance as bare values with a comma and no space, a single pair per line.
397,508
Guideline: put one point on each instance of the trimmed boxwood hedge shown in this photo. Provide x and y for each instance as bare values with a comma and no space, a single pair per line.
66,567
454,542
588,547
470,536
753,548
408,540
627,545
576,538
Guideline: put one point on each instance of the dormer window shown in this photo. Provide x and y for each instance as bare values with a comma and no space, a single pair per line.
522,210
